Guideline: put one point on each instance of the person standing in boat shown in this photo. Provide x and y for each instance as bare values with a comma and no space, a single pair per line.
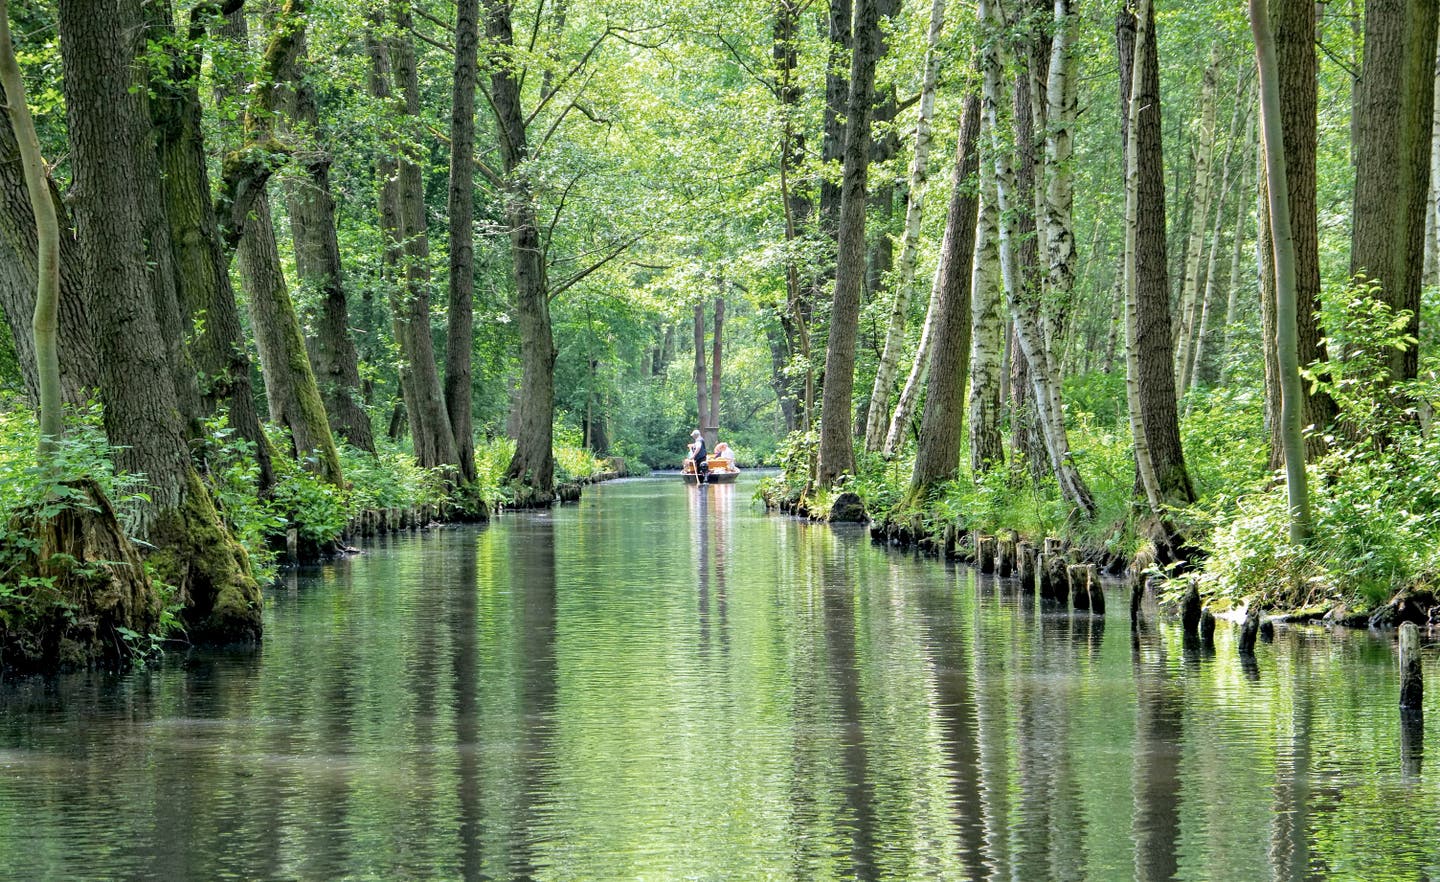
697,454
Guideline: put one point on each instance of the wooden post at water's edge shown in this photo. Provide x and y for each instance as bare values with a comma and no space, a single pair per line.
1412,686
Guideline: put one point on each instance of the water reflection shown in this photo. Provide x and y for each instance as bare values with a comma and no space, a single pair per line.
663,683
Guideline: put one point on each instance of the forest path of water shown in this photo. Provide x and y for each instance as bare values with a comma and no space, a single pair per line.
666,683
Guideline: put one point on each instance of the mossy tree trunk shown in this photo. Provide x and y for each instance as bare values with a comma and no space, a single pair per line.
109,127
317,262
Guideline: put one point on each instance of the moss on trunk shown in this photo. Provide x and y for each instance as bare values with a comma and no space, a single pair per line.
209,570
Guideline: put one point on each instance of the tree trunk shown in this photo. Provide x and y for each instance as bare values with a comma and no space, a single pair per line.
878,419
78,351
109,128
795,394
45,326
1189,317
837,92
937,455
837,453
460,340
1264,257
1024,304
430,428
702,385
1237,247
318,264
1392,177
1292,24
715,366
1028,115
1431,269
198,262
290,386
1286,347
1201,371
1059,198
1153,358
532,468
987,447
915,380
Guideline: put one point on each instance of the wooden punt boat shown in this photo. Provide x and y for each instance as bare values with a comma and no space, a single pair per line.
721,471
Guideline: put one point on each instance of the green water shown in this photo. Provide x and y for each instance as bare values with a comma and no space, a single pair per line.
665,683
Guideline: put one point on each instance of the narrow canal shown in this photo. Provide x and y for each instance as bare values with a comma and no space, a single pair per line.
665,683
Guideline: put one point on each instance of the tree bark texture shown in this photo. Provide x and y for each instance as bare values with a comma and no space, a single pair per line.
1154,351
290,386
937,455
1024,303
198,262
460,338
1292,24
45,326
1393,109
987,336
1201,371
318,264
79,357
837,453
430,428
1026,434
1286,346
702,381
717,351
878,418
796,393
532,468
109,126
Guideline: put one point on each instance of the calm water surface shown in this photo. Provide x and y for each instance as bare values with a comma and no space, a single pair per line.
664,683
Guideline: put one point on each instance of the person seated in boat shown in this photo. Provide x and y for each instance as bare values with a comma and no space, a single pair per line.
723,451
697,456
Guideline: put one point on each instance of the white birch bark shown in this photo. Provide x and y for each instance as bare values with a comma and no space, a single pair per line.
1025,306
878,419
1189,292
1059,238
1431,272
987,329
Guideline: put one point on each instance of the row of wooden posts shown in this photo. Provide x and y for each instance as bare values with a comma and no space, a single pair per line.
1058,574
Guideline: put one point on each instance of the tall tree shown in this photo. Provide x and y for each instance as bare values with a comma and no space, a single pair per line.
1151,361
837,451
878,417
1286,346
319,267
532,467
1024,301
460,346
937,455
108,126
1393,109
1189,314
987,337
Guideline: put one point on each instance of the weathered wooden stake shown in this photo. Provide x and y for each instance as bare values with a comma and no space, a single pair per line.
1412,685
1207,629
1137,595
1190,611
1249,630
1005,556
292,544
985,554
1079,579
1025,565
949,536
1054,545
1097,591
1059,577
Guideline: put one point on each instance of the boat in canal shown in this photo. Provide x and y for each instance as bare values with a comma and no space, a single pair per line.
722,471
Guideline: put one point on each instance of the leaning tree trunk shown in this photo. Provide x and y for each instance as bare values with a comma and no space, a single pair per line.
878,418
1200,212
318,265
1025,304
987,338
1393,109
1286,347
532,468
290,385
109,127
837,452
937,455
460,339
914,381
